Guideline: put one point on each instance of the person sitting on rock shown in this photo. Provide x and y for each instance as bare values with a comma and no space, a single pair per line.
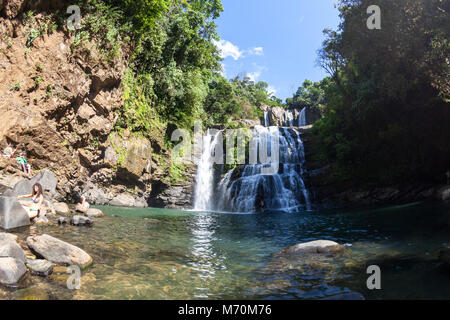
83,206
34,207
26,167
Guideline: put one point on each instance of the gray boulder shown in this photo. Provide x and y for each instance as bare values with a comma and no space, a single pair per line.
46,178
62,221
12,214
12,249
8,237
81,221
94,213
40,267
11,270
123,200
58,251
61,208
319,246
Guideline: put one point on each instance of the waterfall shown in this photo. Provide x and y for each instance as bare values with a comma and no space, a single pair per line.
204,181
302,118
266,119
243,188
288,118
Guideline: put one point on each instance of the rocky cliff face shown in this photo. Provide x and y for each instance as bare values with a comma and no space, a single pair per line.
59,105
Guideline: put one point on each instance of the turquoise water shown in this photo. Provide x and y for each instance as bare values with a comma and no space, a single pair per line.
166,254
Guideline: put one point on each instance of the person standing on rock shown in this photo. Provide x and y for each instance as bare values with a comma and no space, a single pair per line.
34,207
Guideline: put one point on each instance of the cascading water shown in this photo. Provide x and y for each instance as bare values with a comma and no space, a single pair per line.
204,181
266,119
244,189
248,188
302,118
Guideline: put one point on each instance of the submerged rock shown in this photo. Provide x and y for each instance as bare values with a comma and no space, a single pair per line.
81,221
41,221
346,296
61,208
319,246
11,270
58,251
40,267
94,213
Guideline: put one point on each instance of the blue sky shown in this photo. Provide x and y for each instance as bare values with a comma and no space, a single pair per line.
275,41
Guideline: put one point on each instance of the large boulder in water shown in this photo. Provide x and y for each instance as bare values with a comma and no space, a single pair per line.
319,246
12,214
58,251
11,270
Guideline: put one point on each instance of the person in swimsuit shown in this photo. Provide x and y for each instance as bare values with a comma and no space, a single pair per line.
34,207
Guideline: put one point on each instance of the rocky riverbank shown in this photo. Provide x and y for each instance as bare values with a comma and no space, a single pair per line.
60,103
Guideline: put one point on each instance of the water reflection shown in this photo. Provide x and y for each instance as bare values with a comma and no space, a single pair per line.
162,254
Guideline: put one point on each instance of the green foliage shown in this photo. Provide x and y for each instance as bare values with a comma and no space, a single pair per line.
34,34
16,86
386,114
310,94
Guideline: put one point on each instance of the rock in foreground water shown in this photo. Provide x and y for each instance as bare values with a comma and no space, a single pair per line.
8,236
12,214
10,248
58,251
81,221
61,208
11,270
40,267
319,246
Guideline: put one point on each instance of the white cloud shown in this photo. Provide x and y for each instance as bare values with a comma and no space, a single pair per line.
257,51
271,91
227,49
253,76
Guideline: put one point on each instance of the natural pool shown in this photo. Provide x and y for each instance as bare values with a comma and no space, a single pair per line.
164,254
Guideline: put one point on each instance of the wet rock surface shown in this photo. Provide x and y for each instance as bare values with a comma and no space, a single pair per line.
81,221
40,267
58,251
